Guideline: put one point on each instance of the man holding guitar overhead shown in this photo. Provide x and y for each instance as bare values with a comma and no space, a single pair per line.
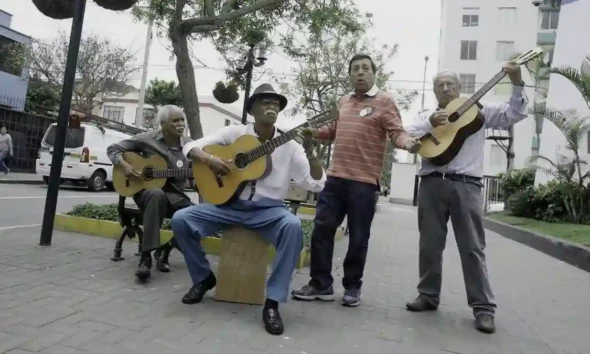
455,190
259,206
157,204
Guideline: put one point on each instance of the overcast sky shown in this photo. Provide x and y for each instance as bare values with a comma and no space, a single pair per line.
414,25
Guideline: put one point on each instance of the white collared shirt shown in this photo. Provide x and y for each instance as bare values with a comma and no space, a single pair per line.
373,91
469,160
289,162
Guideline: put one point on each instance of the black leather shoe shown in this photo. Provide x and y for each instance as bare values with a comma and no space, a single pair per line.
144,270
421,304
198,291
484,322
272,321
161,255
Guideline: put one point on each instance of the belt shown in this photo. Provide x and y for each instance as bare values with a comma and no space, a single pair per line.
456,177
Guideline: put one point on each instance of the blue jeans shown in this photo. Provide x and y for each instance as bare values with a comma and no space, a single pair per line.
339,198
270,218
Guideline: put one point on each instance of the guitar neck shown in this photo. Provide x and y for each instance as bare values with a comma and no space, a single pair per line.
171,172
270,145
481,92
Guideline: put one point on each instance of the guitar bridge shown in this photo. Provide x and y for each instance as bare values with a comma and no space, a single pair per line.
431,137
219,181
127,182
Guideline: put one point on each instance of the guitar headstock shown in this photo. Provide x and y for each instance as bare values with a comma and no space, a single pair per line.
528,56
322,119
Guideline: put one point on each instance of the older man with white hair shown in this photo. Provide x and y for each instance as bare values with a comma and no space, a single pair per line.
455,190
158,204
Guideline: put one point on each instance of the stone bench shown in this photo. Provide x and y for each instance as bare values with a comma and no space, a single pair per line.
241,275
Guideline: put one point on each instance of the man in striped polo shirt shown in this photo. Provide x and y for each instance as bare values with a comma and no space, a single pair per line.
367,119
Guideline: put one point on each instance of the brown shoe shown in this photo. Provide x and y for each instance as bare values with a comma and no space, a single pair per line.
421,304
484,322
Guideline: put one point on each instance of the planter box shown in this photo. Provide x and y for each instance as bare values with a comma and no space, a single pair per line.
111,229
568,252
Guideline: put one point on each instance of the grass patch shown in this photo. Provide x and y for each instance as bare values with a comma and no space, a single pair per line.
109,212
578,233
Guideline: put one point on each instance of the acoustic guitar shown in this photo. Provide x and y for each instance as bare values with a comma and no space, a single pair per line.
444,142
249,160
153,171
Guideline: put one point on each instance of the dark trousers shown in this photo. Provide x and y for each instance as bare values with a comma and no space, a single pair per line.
340,198
156,206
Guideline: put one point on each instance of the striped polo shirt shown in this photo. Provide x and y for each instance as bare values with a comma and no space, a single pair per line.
360,135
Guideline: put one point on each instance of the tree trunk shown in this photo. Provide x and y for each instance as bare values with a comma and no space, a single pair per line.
186,81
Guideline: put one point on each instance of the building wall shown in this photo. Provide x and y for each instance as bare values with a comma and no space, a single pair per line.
214,115
569,51
495,23
13,88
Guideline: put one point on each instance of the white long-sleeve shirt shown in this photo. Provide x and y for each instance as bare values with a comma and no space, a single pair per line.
469,160
289,162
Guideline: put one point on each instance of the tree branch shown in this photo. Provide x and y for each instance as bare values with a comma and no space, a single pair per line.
208,24
227,6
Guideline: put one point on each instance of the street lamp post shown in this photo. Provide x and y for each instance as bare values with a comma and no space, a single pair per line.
251,62
62,124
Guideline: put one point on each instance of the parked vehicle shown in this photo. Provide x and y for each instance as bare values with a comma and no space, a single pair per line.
85,159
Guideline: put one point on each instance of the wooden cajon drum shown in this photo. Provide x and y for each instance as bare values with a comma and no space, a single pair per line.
241,275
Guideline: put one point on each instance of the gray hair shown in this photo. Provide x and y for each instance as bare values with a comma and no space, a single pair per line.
166,111
447,73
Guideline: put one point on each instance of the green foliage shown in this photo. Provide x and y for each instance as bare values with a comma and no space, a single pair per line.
161,92
517,180
42,98
109,212
56,9
551,202
13,56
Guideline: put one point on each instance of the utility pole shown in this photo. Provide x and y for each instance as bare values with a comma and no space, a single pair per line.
422,105
146,59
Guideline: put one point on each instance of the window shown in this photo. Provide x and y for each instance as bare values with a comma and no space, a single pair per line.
507,17
467,83
114,113
470,20
468,50
12,56
549,20
503,88
227,122
588,142
504,50
74,137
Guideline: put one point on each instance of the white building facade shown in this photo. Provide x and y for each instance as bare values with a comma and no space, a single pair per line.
214,115
573,50
476,38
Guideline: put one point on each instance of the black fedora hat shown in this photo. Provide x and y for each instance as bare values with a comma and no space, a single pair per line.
265,90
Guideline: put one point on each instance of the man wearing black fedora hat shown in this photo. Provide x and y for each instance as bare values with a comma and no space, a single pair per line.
259,206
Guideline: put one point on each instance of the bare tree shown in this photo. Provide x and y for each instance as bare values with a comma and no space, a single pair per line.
103,68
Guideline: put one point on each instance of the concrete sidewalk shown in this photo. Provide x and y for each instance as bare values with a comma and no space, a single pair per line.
21,178
70,298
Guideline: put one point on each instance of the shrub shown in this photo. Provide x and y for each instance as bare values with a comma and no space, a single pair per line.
516,181
109,212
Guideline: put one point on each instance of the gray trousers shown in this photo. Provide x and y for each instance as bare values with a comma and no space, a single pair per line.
156,206
462,201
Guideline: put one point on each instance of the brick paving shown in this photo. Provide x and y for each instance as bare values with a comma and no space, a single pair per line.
70,298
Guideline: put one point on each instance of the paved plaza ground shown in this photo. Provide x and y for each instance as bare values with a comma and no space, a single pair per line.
70,298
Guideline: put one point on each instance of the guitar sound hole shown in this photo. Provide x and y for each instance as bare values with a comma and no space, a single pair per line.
453,117
241,161
148,173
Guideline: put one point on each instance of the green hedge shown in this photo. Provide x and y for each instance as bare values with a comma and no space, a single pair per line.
109,212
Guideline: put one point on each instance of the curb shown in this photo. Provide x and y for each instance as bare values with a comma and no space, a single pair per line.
16,181
571,253
113,230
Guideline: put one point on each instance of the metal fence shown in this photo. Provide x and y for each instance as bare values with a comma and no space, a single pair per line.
27,131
